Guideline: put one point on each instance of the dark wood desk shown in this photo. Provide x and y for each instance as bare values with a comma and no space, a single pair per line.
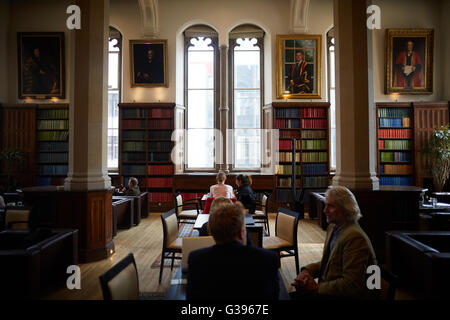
177,289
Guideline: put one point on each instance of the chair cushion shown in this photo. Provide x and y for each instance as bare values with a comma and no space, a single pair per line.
271,243
285,227
124,286
176,244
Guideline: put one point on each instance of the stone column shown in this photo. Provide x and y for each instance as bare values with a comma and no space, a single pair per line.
223,108
355,126
89,108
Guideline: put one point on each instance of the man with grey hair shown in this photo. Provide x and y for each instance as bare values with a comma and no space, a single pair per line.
346,255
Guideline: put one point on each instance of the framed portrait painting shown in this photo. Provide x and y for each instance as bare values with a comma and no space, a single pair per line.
409,61
40,61
148,63
298,68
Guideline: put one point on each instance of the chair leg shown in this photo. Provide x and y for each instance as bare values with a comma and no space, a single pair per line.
268,228
173,259
161,267
296,260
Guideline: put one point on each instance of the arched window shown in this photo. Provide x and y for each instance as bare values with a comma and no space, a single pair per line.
114,95
246,93
332,96
201,97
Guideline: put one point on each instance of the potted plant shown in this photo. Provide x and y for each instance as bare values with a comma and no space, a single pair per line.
438,151
12,158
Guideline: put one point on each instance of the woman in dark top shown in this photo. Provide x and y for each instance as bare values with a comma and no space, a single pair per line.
245,194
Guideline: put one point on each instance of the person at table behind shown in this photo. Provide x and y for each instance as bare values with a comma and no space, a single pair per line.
245,194
133,188
217,203
230,270
221,189
346,255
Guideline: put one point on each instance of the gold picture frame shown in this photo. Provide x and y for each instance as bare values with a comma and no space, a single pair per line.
409,61
300,80
148,63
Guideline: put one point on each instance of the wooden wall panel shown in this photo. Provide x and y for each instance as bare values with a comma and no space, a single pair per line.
427,115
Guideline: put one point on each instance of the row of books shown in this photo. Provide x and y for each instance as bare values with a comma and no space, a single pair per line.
395,156
287,144
53,157
287,169
157,182
395,144
134,156
314,168
287,113
303,134
394,112
287,182
147,113
160,197
53,146
53,114
315,157
53,124
314,144
47,181
314,123
300,112
284,195
396,181
54,169
291,123
52,135
166,146
191,195
148,124
395,133
160,170
312,112
396,169
134,169
395,122
133,146
287,157
150,135
315,182
140,156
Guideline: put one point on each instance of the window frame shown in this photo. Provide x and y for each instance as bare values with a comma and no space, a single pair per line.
329,37
119,88
231,149
216,93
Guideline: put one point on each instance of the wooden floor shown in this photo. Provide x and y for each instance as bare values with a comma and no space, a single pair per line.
145,242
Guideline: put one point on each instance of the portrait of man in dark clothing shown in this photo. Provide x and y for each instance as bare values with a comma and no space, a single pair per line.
149,64
300,75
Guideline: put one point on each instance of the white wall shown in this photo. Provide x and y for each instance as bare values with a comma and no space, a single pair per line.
4,31
36,16
406,14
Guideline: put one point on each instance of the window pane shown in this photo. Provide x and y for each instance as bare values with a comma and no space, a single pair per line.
201,109
201,43
246,69
111,45
332,70
113,71
201,148
332,108
333,148
113,148
247,108
247,148
201,70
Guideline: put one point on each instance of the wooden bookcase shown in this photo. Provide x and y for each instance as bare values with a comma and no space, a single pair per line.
52,144
400,152
395,144
145,132
306,123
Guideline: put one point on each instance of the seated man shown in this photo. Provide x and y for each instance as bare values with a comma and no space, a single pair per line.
346,255
230,269
133,188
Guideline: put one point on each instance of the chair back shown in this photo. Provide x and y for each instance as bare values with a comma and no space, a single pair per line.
179,203
265,204
121,282
255,234
17,219
190,244
170,227
286,225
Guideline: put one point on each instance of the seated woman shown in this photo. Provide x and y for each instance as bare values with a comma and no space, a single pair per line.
245,194
132,189
221,189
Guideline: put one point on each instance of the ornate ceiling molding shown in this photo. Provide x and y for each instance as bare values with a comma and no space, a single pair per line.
149,15
299,16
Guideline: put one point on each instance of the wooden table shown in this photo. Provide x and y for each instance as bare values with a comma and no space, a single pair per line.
203,218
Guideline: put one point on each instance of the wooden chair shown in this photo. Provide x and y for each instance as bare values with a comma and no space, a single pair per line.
171,242
263,213
121,282
17,219
189,215
255,234
190,244
285,239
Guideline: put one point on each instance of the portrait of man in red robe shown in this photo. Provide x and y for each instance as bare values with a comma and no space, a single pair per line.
409,68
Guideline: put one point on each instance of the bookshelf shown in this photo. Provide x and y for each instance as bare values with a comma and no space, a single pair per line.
145,132
52,144
303,127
